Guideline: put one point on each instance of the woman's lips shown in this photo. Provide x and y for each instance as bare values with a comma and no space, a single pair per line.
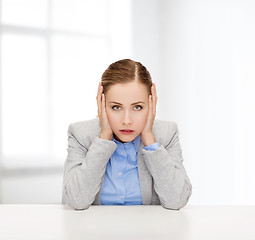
127,131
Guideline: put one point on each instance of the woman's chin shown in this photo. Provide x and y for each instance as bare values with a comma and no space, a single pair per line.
124,138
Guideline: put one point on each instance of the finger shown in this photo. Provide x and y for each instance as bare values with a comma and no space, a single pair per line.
104,106
98,103
98,108
103,103
98,89
155,98
150,107
155,92
99,100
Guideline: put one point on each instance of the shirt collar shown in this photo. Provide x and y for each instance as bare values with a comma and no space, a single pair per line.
135,142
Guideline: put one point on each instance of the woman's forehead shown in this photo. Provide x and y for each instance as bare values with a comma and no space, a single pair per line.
134,103
132,89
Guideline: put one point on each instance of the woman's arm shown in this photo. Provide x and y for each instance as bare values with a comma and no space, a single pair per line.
171,182
84,169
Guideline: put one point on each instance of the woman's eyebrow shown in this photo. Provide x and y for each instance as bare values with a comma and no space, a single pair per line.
131,104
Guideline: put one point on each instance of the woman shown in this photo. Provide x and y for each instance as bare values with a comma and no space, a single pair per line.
126,157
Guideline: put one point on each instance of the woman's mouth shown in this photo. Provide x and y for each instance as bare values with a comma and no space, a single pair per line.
127,131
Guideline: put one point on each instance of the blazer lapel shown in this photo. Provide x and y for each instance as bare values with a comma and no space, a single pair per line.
145,178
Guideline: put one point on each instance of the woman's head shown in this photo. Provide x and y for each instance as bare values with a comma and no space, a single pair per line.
127,86
124,71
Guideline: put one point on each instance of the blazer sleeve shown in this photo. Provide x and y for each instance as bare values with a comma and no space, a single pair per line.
171,182
84,169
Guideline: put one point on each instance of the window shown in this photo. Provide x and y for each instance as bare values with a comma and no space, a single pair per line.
53,53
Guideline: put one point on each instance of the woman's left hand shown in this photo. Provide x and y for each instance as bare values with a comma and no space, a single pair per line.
147,135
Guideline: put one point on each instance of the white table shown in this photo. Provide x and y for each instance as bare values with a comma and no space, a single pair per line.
127,222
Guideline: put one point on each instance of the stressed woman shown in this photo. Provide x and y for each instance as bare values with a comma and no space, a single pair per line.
125,156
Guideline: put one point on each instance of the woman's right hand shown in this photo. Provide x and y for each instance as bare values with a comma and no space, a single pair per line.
106,131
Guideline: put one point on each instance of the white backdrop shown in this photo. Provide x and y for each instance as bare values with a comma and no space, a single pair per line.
201,55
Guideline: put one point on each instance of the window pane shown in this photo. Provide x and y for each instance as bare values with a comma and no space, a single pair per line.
24,96
78,15
32,13
78,64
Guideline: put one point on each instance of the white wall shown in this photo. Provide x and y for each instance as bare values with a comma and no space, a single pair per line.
57,61
203,58
147,36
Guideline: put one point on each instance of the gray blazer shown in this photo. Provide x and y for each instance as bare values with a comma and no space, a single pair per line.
163,179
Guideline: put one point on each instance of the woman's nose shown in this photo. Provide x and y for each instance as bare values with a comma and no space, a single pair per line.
127,119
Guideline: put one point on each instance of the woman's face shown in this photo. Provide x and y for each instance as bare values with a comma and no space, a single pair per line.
127,108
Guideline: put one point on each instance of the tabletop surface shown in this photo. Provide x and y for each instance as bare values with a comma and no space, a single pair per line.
126,222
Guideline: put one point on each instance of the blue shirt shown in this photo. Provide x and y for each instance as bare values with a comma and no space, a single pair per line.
121,181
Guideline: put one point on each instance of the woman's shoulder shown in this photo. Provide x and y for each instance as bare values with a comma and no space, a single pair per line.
163,124
164,131
85,128
86,123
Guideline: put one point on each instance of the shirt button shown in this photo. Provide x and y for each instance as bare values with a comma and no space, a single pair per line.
121,196
119,173
122,152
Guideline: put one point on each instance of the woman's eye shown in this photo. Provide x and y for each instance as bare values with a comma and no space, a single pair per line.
139,107
114,107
